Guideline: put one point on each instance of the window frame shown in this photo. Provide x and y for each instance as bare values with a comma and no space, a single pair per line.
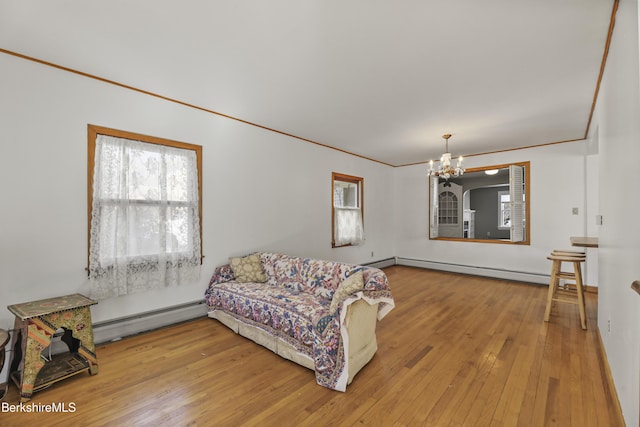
92,134
526,181
359,181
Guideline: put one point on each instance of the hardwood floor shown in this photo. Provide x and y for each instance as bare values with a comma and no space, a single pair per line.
457,350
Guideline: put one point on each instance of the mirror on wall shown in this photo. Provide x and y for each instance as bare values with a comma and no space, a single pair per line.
488,204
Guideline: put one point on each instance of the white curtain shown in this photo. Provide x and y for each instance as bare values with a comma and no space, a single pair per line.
145,225
348,226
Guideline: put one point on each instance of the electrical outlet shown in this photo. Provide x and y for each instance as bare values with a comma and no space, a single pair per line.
575,211
371,254
609,326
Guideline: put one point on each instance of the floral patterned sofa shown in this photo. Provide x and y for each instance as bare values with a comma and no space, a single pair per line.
319,314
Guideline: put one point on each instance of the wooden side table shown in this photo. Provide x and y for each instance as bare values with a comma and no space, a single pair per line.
4,339
36,322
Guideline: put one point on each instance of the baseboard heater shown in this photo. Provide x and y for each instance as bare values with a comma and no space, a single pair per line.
147,321
518,276
382,263
115,329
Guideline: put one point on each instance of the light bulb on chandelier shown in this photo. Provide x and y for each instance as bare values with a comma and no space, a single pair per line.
445,170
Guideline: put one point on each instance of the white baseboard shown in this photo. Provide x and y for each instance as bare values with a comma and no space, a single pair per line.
119,328
518,276
382,263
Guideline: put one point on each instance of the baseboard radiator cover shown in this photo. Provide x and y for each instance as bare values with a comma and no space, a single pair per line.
382,263
147,321
112,330
517,276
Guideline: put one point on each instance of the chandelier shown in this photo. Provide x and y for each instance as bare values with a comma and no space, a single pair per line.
445,169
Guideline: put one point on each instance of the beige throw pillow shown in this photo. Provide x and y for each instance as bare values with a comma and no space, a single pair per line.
350,285
248,268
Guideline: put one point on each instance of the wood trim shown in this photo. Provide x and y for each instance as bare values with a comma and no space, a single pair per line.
91,165
607,380
500,151
92,133
101,130
185,104
347,178
525,147
612,24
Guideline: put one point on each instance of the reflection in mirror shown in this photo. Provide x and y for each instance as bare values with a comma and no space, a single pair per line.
487,204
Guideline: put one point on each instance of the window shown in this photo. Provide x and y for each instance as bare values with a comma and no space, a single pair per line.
347,210
448,213
496,204
144,212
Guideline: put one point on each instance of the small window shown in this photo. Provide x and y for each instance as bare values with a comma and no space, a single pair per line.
347,210
144,212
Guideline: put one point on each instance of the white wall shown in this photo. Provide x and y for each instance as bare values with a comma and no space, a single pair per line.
618,134
261,190
557,174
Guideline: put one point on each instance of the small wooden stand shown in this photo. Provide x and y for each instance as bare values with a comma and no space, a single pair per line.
36,322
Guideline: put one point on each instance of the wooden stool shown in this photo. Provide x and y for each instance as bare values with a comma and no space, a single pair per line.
566,293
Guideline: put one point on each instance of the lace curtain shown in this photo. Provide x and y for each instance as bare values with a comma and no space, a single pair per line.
145,226
348,226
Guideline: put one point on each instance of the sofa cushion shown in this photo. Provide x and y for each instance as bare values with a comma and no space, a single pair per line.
282,270
286,313
248,269
351,285
317,277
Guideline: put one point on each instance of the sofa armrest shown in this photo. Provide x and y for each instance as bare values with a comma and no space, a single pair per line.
360,321
376,290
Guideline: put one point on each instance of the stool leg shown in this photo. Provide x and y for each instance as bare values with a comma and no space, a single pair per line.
553,282
580,291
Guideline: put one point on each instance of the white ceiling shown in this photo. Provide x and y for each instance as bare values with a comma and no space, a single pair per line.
381,79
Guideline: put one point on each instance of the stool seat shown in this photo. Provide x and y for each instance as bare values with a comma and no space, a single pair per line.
567,252
565,293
